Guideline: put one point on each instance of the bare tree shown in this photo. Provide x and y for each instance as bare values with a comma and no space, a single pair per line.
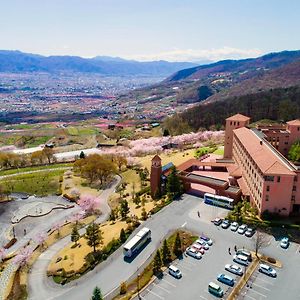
260,240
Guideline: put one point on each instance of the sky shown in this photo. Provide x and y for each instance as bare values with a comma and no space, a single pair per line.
174,30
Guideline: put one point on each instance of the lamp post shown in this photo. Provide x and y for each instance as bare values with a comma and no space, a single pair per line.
138,286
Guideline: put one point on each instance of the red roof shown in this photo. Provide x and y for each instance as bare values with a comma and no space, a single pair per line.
238,117
294,122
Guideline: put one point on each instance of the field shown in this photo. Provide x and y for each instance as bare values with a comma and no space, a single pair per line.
40,184
77,131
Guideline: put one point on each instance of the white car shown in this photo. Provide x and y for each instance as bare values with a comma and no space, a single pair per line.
242,229
193,252
284,243
203,244
174,271
206,239
263,268
234,269
241,259
234,226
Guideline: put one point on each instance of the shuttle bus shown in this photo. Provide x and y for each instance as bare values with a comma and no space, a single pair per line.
131,247
218,200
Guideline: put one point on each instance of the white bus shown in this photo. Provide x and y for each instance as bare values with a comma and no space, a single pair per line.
218,200
131,247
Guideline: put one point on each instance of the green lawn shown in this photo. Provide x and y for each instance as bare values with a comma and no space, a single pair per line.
219,151
41,184
76,131
21,170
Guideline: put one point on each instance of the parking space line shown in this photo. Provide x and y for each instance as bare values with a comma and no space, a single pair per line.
203,297
260,286
164,289
245,295
183,224
166,281
252,290
189,269
155,294
190,263
271,283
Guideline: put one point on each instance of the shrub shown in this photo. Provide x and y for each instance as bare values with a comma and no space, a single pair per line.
123,288
271,260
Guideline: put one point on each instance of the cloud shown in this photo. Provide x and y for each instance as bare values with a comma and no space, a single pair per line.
199,55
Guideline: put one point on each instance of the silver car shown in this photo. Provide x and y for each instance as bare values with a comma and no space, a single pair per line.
234,269
242,229
263,268
234,226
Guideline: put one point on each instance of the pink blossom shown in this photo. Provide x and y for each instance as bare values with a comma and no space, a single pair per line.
76,217
40,238
89,204
23,256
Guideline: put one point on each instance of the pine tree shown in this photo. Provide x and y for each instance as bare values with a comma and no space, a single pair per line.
81,155
97,295
174,187
113,215
94,236
157,263
123,236
124,209
166,254
75,236
137,200
177,249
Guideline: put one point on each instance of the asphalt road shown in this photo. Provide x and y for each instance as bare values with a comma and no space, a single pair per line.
181,213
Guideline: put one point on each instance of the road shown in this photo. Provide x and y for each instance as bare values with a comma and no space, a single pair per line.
109,275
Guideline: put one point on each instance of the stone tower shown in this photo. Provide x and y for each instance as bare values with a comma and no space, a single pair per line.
234,122
155,175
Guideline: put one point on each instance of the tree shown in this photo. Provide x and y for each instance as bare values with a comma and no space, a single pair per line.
260,240
174,186
23,257
37,157
157,264
113,215
124,209
166,132
294,152
120,161
81,155
137,200
49,154
97,295
40,238
75,236
123,236
144,214
89,204
166,253
94,236
177,248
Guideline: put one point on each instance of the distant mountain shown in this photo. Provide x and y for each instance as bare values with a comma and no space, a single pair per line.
16,61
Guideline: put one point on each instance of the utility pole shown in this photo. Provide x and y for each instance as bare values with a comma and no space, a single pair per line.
138,286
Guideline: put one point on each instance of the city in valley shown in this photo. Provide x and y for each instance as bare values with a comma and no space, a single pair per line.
149,151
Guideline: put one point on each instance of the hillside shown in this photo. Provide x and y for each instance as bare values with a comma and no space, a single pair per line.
16,61
281,104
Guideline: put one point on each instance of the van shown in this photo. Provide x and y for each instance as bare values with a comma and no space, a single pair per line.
241,259
174,271
245,253
215,289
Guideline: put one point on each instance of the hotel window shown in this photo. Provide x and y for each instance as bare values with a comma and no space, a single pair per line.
286,143
295,178
278,179
298,128
294,188
231,123
268,188
267,197
269,178
293,198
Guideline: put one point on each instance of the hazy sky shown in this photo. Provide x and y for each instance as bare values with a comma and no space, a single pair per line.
177,30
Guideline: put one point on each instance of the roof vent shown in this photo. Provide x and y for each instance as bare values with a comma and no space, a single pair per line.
261,142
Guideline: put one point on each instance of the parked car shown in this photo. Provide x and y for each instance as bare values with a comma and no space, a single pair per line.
217,221
234,269
174,271
242,229
249,232
241,259
284,243
225,279
263,268
206,239
216,290
244,252
234,226
193,253
198,248
225,224
203,244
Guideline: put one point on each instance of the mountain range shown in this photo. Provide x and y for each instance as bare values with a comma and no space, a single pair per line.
16,61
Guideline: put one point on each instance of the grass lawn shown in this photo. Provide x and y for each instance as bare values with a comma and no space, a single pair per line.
41,183
219,151
81,131
28,169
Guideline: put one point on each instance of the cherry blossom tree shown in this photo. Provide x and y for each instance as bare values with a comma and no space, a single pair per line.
89,204
40,238
23,257
56,227
2,254
77,217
